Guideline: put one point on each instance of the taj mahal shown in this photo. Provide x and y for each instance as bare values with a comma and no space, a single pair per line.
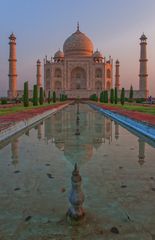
78,70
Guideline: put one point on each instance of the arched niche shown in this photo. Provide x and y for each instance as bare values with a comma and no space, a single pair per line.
98,73
108,73
78,78
57,85
58,73
98,85
48,73
108,85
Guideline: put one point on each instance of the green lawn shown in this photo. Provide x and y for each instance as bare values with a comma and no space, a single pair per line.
20,108
139,108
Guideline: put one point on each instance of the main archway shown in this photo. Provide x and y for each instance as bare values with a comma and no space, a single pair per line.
78,78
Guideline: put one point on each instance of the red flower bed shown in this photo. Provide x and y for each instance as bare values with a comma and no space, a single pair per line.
139,116
12,118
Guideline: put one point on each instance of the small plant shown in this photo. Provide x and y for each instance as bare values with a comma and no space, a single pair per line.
94,97
140,100
4,101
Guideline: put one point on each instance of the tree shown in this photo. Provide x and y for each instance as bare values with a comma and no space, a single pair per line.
41,96
131,93
122,96
116,98
94,97
102,96
26,94
54,96
106,96
49,97
112,95
62,97
35,95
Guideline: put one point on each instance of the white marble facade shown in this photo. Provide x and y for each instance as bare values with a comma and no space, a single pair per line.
78,70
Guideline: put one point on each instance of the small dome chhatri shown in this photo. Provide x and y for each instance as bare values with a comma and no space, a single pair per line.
143,37
117,61
97,54
12,37
78,44
38,61
59,54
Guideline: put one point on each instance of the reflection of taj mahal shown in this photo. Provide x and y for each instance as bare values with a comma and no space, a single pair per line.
78,70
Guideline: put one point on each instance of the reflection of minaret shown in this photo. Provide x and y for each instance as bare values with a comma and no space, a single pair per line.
117,75
143,66
40,131
108,129
15,151
116,130
27,132
38,75
141,151
12,92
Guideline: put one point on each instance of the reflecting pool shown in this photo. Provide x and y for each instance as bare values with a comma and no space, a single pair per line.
118,179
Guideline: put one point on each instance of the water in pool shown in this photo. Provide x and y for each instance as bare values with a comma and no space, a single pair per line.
118,180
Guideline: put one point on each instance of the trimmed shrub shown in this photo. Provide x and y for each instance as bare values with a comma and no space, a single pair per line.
26,94
116,97
106,96
4,101
94,97
102,97
54,96
140,100
41,96
35,95
131,93
49,97
122,96
112,95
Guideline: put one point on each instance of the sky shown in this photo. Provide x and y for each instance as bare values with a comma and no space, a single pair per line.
41,27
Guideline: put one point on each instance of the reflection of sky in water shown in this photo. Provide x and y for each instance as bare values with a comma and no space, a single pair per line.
109,157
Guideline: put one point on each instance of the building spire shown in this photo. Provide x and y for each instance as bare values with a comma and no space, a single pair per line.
12,92
143,76
78,26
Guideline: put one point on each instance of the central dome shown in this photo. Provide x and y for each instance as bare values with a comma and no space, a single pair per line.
78,44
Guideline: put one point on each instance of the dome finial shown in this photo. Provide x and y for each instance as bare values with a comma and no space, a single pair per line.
78,26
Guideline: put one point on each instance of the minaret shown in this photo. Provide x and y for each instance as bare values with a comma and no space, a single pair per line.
38,75
143,66
12,92
117,75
